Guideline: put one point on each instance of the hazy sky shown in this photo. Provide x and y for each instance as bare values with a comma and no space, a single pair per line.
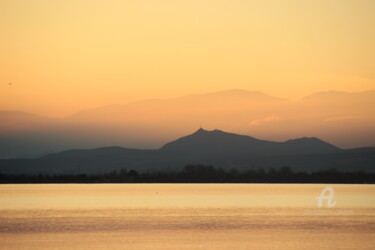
64,56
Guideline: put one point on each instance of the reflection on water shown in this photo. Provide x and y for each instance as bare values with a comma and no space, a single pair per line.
185,216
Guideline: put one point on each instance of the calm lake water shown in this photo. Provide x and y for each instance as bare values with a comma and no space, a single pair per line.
185,216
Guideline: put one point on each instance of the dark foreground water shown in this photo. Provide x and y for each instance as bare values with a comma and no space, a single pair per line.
186,216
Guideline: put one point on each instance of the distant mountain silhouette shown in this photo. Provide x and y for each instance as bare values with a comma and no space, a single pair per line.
345,119
93,153
215,147
221,144
17,120
231,99
308,145
335,96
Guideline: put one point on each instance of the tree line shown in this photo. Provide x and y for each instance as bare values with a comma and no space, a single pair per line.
200,174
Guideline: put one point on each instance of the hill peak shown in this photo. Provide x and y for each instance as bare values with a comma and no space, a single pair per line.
204,131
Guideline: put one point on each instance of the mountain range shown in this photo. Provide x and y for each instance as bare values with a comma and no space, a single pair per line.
346,119
221,149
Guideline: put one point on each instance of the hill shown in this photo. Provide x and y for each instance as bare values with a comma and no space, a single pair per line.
215,147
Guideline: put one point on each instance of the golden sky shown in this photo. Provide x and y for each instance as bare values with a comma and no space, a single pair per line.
64,56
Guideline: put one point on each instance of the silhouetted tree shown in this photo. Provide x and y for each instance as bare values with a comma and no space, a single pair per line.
133,173
285,170
200,174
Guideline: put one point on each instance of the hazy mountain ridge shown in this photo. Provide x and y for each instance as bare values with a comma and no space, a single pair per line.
338,94
190,104
347,121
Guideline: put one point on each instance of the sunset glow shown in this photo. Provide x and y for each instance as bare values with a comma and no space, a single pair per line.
187,124
80,54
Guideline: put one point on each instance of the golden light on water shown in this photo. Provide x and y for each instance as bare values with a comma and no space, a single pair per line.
185,216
